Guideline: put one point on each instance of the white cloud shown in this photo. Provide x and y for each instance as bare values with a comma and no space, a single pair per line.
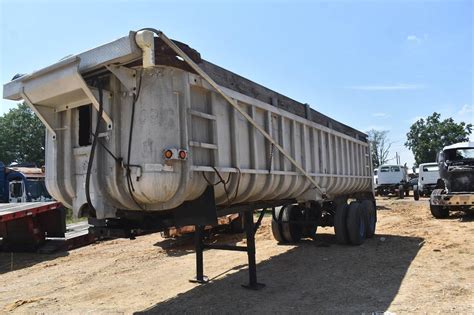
392,87
413,38
381,115
466,111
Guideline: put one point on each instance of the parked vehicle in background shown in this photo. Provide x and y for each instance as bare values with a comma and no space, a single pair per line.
429,175
22,183
376,178
392,179
412,183
455,188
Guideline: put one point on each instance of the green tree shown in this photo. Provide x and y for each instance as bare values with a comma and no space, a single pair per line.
380,146
428,136
21,136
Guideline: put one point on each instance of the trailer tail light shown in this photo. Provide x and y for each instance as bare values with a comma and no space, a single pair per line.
175,154
183,155
168,154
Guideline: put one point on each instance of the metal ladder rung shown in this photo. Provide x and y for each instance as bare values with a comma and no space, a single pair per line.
202,115
203,145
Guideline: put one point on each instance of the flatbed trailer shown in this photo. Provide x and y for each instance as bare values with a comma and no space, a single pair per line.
28,226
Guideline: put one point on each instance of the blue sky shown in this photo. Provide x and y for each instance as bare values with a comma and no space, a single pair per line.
369,64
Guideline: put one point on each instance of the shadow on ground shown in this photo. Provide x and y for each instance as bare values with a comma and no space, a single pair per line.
11,261
316,276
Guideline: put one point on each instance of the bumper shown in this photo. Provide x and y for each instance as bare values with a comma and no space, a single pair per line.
452,199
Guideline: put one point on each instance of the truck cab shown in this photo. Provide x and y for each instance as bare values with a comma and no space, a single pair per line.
22,184
427,179
392,179
455,188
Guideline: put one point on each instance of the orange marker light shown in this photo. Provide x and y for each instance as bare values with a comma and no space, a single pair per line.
168,154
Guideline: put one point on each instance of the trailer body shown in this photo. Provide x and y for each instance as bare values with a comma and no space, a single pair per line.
177,111
143,135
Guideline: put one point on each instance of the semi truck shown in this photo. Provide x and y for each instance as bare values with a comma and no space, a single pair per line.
142,134
455,187
22,183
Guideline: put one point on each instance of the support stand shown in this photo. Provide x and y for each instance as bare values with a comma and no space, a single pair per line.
250,230
199,248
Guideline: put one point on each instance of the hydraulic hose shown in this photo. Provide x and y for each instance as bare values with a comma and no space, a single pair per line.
93,148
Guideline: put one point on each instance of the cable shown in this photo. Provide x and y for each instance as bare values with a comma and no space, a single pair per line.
130,187
93,147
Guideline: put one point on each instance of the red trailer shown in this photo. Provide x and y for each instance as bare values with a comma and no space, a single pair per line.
27,226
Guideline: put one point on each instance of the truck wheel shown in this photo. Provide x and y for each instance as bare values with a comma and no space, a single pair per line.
407,192
356,223
400,192
439,212
340,226
313,214
276,225
237,225
292,232
416,193
370,214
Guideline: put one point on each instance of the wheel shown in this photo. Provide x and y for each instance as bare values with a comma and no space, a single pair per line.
340,227
276,225
312,214
237,225
407,192
416,193
370,215
400,192
439,212
292,232
356,223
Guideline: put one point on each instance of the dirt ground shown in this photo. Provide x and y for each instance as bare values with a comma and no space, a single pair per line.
414,264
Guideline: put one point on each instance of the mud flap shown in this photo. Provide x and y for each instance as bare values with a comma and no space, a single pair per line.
201,211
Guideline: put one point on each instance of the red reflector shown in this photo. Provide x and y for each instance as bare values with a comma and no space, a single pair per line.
182,154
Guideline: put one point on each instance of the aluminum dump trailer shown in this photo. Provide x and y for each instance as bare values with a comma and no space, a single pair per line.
182,141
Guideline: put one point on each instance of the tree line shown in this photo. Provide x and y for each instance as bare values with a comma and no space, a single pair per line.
426,137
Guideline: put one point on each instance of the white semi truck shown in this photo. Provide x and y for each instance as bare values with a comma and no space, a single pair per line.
143,134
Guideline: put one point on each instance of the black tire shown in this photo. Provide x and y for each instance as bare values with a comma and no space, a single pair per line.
340,226
370,214
356,223
407,192
276,226
237,225
416,193
313,214
439,212
292,232
401,192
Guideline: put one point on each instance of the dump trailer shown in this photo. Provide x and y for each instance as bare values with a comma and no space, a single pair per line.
455,187
143,134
